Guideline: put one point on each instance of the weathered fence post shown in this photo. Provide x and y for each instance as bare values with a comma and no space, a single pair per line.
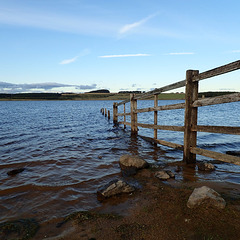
124,110
155,115
190,137
105,112
115,112
108,115
133,102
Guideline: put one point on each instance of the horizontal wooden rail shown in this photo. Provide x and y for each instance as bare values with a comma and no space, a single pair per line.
123,114
163,89
161,127
218,156
217,129
162,142
161,108
218,71
235,97
123,102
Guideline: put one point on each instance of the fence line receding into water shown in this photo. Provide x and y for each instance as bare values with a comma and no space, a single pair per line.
190,127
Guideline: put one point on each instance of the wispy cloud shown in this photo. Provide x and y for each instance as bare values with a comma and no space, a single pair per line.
235,51
67,61
32,17
6,87
87,87
83,53
129,27
180,53
126,55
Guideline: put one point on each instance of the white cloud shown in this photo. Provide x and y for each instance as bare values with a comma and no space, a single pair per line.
6,87
235,51
67,61
126,55
181,53
131,26
31,17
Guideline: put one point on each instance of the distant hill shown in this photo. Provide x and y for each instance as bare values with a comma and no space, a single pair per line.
27,96
100,91
213,94
102,94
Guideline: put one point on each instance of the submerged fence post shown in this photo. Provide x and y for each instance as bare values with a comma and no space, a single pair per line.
124,110
133,102
108,114
190,137
155,115
115,112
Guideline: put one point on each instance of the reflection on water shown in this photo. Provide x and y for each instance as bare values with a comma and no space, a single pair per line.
69,150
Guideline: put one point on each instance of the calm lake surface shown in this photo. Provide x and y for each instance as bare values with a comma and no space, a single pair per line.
69,150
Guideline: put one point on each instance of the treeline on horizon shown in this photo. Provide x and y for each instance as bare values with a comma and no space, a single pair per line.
95,95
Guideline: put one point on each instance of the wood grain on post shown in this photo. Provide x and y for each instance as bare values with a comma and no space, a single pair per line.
155,115
133,102
124,111
190,137
115,113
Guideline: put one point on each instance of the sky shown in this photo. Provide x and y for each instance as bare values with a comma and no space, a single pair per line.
83,45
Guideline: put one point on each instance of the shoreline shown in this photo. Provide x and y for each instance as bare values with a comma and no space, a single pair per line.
157,210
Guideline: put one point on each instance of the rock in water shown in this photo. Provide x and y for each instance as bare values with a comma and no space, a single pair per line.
164,175
113,188
207,197
15,171
206,166
130,164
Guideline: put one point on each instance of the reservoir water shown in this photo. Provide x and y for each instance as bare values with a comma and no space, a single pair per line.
68,150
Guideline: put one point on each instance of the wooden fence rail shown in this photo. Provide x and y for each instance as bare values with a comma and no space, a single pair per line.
190,127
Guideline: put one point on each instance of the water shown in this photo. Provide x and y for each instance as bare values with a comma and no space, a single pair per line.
69,150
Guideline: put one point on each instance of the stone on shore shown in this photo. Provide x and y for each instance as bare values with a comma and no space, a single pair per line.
132,161
130,164
164,175
205,196
113,188
206,166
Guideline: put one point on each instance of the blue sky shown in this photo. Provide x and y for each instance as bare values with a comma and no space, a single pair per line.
84,45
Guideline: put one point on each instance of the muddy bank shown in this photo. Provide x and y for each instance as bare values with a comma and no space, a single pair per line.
157,210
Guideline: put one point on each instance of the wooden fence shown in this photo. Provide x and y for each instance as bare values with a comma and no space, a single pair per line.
191,105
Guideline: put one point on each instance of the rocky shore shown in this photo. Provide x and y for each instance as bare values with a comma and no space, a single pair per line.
155,209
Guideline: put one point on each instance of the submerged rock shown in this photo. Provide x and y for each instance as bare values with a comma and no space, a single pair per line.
130,164
113,188
15,171
19,229
206,166
132,161
164,175
207,197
